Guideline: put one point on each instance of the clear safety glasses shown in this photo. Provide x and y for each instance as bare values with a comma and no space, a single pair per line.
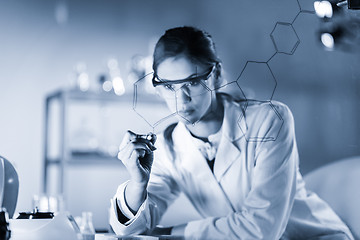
192,86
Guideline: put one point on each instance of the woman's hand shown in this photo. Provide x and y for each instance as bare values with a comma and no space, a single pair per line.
178,230
136,153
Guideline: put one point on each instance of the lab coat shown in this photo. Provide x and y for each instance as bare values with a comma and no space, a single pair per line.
254,192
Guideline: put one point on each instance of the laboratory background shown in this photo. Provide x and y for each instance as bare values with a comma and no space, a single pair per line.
73,79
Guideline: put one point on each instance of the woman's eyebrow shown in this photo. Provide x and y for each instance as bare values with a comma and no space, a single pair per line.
196,74
188,77
193,75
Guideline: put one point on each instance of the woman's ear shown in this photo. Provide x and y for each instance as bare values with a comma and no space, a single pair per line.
218,76
218,68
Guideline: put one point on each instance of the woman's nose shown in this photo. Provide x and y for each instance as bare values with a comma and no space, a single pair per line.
183,94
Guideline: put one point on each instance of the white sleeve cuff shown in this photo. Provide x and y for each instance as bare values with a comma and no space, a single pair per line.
137,224
121,202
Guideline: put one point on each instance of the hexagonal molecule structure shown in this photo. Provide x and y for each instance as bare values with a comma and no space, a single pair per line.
251,117
306,6
233,90
284,38
256,81
143,95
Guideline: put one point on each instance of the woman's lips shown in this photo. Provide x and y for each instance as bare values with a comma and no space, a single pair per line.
186,112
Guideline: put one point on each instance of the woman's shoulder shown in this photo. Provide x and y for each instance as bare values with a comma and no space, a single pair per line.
281,110
259,120
260,110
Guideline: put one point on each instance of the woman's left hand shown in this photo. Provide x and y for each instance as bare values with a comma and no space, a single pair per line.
175,231
161,231
178,230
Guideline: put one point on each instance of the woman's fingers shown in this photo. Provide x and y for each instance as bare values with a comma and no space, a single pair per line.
147,142
135,151
130,136
140,148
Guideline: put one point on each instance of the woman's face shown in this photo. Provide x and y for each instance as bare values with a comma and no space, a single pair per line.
190,98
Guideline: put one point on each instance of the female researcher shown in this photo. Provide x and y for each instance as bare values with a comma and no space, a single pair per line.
244,188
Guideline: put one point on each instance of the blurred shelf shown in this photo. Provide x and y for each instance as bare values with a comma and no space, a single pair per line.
96,161
87,160
76,94
66,156
98,96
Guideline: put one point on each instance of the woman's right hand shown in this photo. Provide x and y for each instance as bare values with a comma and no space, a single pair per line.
136,153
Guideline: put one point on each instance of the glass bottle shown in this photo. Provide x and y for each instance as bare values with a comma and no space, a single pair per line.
87,228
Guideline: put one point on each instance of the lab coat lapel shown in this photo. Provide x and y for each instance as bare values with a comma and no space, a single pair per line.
232,131
197,174
226,155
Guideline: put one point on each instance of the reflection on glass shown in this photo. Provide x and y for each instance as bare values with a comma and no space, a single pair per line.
323,9
328,40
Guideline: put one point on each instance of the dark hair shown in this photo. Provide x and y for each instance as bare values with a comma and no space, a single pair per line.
194,43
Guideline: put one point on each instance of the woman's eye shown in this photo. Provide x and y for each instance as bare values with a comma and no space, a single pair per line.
194,83
168,87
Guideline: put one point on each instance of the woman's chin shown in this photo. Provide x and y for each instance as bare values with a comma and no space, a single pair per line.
187,118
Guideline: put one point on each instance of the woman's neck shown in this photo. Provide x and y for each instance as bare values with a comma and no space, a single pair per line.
210,123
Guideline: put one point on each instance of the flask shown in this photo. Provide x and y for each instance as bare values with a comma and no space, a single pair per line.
87,228
4,225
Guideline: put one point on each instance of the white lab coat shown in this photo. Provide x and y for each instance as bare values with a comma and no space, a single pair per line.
255,192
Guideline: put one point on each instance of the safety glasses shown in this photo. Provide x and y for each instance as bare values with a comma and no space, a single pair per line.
189,82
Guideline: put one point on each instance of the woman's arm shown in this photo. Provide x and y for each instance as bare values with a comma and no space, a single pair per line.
160,192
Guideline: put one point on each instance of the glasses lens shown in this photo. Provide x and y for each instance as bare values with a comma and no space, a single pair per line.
194,86
192,89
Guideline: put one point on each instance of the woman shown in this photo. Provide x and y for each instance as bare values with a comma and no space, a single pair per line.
222,154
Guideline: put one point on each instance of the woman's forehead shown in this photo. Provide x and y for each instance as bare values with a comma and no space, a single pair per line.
182,67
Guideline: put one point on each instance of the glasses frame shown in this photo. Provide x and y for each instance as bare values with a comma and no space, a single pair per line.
160,81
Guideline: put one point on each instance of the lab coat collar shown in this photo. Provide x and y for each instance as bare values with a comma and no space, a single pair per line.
193,165
227,151
233,127
226,155
190,156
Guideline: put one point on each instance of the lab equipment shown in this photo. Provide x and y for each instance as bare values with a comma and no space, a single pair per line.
149,137
48,203
62,226
35,214
5,232
87,229
9,186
